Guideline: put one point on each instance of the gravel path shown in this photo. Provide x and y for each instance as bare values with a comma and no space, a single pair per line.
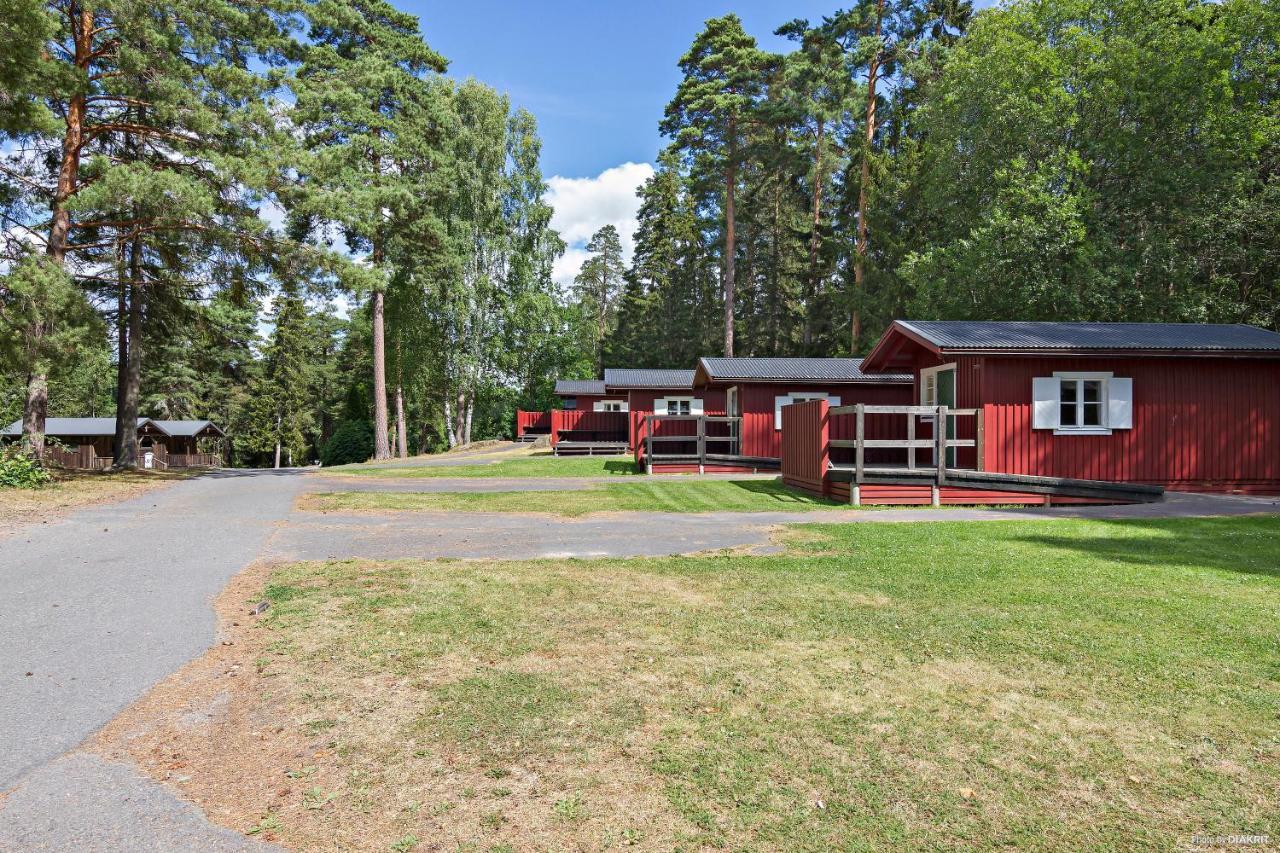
98,607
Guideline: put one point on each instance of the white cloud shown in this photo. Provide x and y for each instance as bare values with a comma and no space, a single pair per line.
584,205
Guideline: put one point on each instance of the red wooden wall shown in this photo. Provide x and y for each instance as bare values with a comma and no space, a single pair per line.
1198,423
538,422
607,426
640,402
805,453
760,438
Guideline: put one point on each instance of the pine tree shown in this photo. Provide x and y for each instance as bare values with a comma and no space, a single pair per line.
598,286
707,118
371,119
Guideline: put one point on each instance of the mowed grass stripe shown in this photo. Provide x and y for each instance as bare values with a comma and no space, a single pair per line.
647,496
544,465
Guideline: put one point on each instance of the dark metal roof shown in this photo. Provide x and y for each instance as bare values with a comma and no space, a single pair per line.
793,370
627,377
107,426
76,426
188,428
570,387
992,335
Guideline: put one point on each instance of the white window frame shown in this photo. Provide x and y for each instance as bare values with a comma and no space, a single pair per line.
616,404
689,400
731,402
798,397
1104,401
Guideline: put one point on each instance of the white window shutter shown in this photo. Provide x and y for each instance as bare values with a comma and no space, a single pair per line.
1045,392
695,406
625,406
660,406
598,406
778,403
1120,403
833,400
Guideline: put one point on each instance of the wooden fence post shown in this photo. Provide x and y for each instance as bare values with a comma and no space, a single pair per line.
911,436
648,444
859,459
979,438
702,444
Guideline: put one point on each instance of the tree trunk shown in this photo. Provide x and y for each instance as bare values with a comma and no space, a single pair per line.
126,455
471,408
381,448
122,355
730,243
814,227
402,432
35,410
860,245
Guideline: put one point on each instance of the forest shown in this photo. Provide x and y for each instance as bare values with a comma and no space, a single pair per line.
285,215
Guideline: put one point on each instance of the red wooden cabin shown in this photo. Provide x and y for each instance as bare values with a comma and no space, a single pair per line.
740,401
1192,407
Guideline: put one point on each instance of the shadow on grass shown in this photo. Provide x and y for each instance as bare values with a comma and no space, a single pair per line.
1247,545
776,491
621,466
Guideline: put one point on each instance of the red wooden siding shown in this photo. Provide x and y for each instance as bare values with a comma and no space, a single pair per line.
1198,423
605,426
916,495
760,439
587,402
640,402
805,453
536,422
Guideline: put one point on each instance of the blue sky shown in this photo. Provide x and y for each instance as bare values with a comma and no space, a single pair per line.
596,74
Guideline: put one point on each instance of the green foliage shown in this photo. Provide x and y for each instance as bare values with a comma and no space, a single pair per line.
1104,161
19,471
351,442
44,316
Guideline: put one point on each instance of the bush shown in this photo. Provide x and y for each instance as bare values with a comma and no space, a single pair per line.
20,471
351,442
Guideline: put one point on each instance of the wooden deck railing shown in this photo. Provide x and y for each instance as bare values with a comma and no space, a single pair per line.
532,423
83,457
690,434
581,424
941,441
194,460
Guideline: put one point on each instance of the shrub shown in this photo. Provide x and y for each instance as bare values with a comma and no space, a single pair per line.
20,471
352,441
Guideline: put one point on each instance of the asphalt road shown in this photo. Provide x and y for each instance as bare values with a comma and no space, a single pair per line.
97,608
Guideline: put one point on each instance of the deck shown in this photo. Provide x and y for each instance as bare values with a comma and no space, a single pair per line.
590,447
861,453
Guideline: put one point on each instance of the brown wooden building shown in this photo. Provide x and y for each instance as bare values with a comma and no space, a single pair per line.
90,442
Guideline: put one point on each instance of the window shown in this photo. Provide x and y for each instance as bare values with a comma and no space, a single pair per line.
1082,403
611,405
679,405
570,403
731,402
798,397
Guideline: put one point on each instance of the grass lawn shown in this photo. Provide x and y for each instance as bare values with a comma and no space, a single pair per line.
646,496
1050,684
72,490
536,465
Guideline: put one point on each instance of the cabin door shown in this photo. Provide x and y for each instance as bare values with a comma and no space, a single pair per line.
938,388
